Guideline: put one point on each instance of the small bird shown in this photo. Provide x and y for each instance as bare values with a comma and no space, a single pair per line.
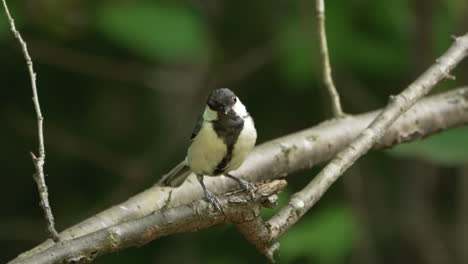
221,140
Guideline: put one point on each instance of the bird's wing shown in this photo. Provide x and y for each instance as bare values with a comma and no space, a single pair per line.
176,176
180,172
197,128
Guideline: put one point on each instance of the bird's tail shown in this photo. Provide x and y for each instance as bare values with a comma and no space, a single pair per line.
176,176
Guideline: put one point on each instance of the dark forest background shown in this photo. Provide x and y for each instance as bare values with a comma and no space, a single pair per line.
121,84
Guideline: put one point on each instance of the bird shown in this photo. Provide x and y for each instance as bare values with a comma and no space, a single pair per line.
222,139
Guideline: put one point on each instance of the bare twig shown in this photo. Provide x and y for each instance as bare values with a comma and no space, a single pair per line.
284,156
237,207
303,200
325,59
38,161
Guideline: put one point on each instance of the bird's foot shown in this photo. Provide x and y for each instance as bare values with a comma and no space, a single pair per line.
213,200
248,187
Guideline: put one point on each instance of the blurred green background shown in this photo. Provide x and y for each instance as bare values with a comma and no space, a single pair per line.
122,83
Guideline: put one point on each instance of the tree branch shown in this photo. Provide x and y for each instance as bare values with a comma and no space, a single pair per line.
237,207
40,160
284,156
325,59
303,200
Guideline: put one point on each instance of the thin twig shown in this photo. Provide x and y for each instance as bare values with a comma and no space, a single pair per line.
325,59
303,200
40,160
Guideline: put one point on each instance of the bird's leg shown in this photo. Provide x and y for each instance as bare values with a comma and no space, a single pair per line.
211,198
247,186
168,201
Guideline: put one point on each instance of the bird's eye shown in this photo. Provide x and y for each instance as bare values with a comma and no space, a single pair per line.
234,99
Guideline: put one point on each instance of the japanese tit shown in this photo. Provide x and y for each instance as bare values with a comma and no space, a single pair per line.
221,140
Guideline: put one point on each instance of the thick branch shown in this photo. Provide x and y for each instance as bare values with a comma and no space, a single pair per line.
237,207
303,200
40,160
325,59
286,155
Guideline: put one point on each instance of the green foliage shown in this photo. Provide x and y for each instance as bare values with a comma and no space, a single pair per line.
457,9
156,31
447,148
220,259
117,129
371,48
443,23
298,62
3,27
327,236
284,197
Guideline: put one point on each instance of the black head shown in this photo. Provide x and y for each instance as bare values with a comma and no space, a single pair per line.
222,100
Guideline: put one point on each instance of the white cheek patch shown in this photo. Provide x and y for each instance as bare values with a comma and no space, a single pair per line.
209,115
239,108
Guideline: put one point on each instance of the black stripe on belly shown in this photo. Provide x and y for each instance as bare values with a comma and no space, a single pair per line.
227,129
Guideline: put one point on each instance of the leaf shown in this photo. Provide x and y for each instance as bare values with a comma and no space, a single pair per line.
154,30
327,235
447,148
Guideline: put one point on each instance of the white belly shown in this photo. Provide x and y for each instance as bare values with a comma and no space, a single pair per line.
206,151
245,144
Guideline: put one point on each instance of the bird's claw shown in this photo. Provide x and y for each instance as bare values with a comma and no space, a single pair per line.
247,186
213,200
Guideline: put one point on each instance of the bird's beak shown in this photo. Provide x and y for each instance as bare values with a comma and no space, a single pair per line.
226,109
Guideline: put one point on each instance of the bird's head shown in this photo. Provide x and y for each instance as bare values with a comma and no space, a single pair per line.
222,100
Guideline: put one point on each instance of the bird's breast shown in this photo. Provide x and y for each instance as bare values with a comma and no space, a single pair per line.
244,145
221,147
206,151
